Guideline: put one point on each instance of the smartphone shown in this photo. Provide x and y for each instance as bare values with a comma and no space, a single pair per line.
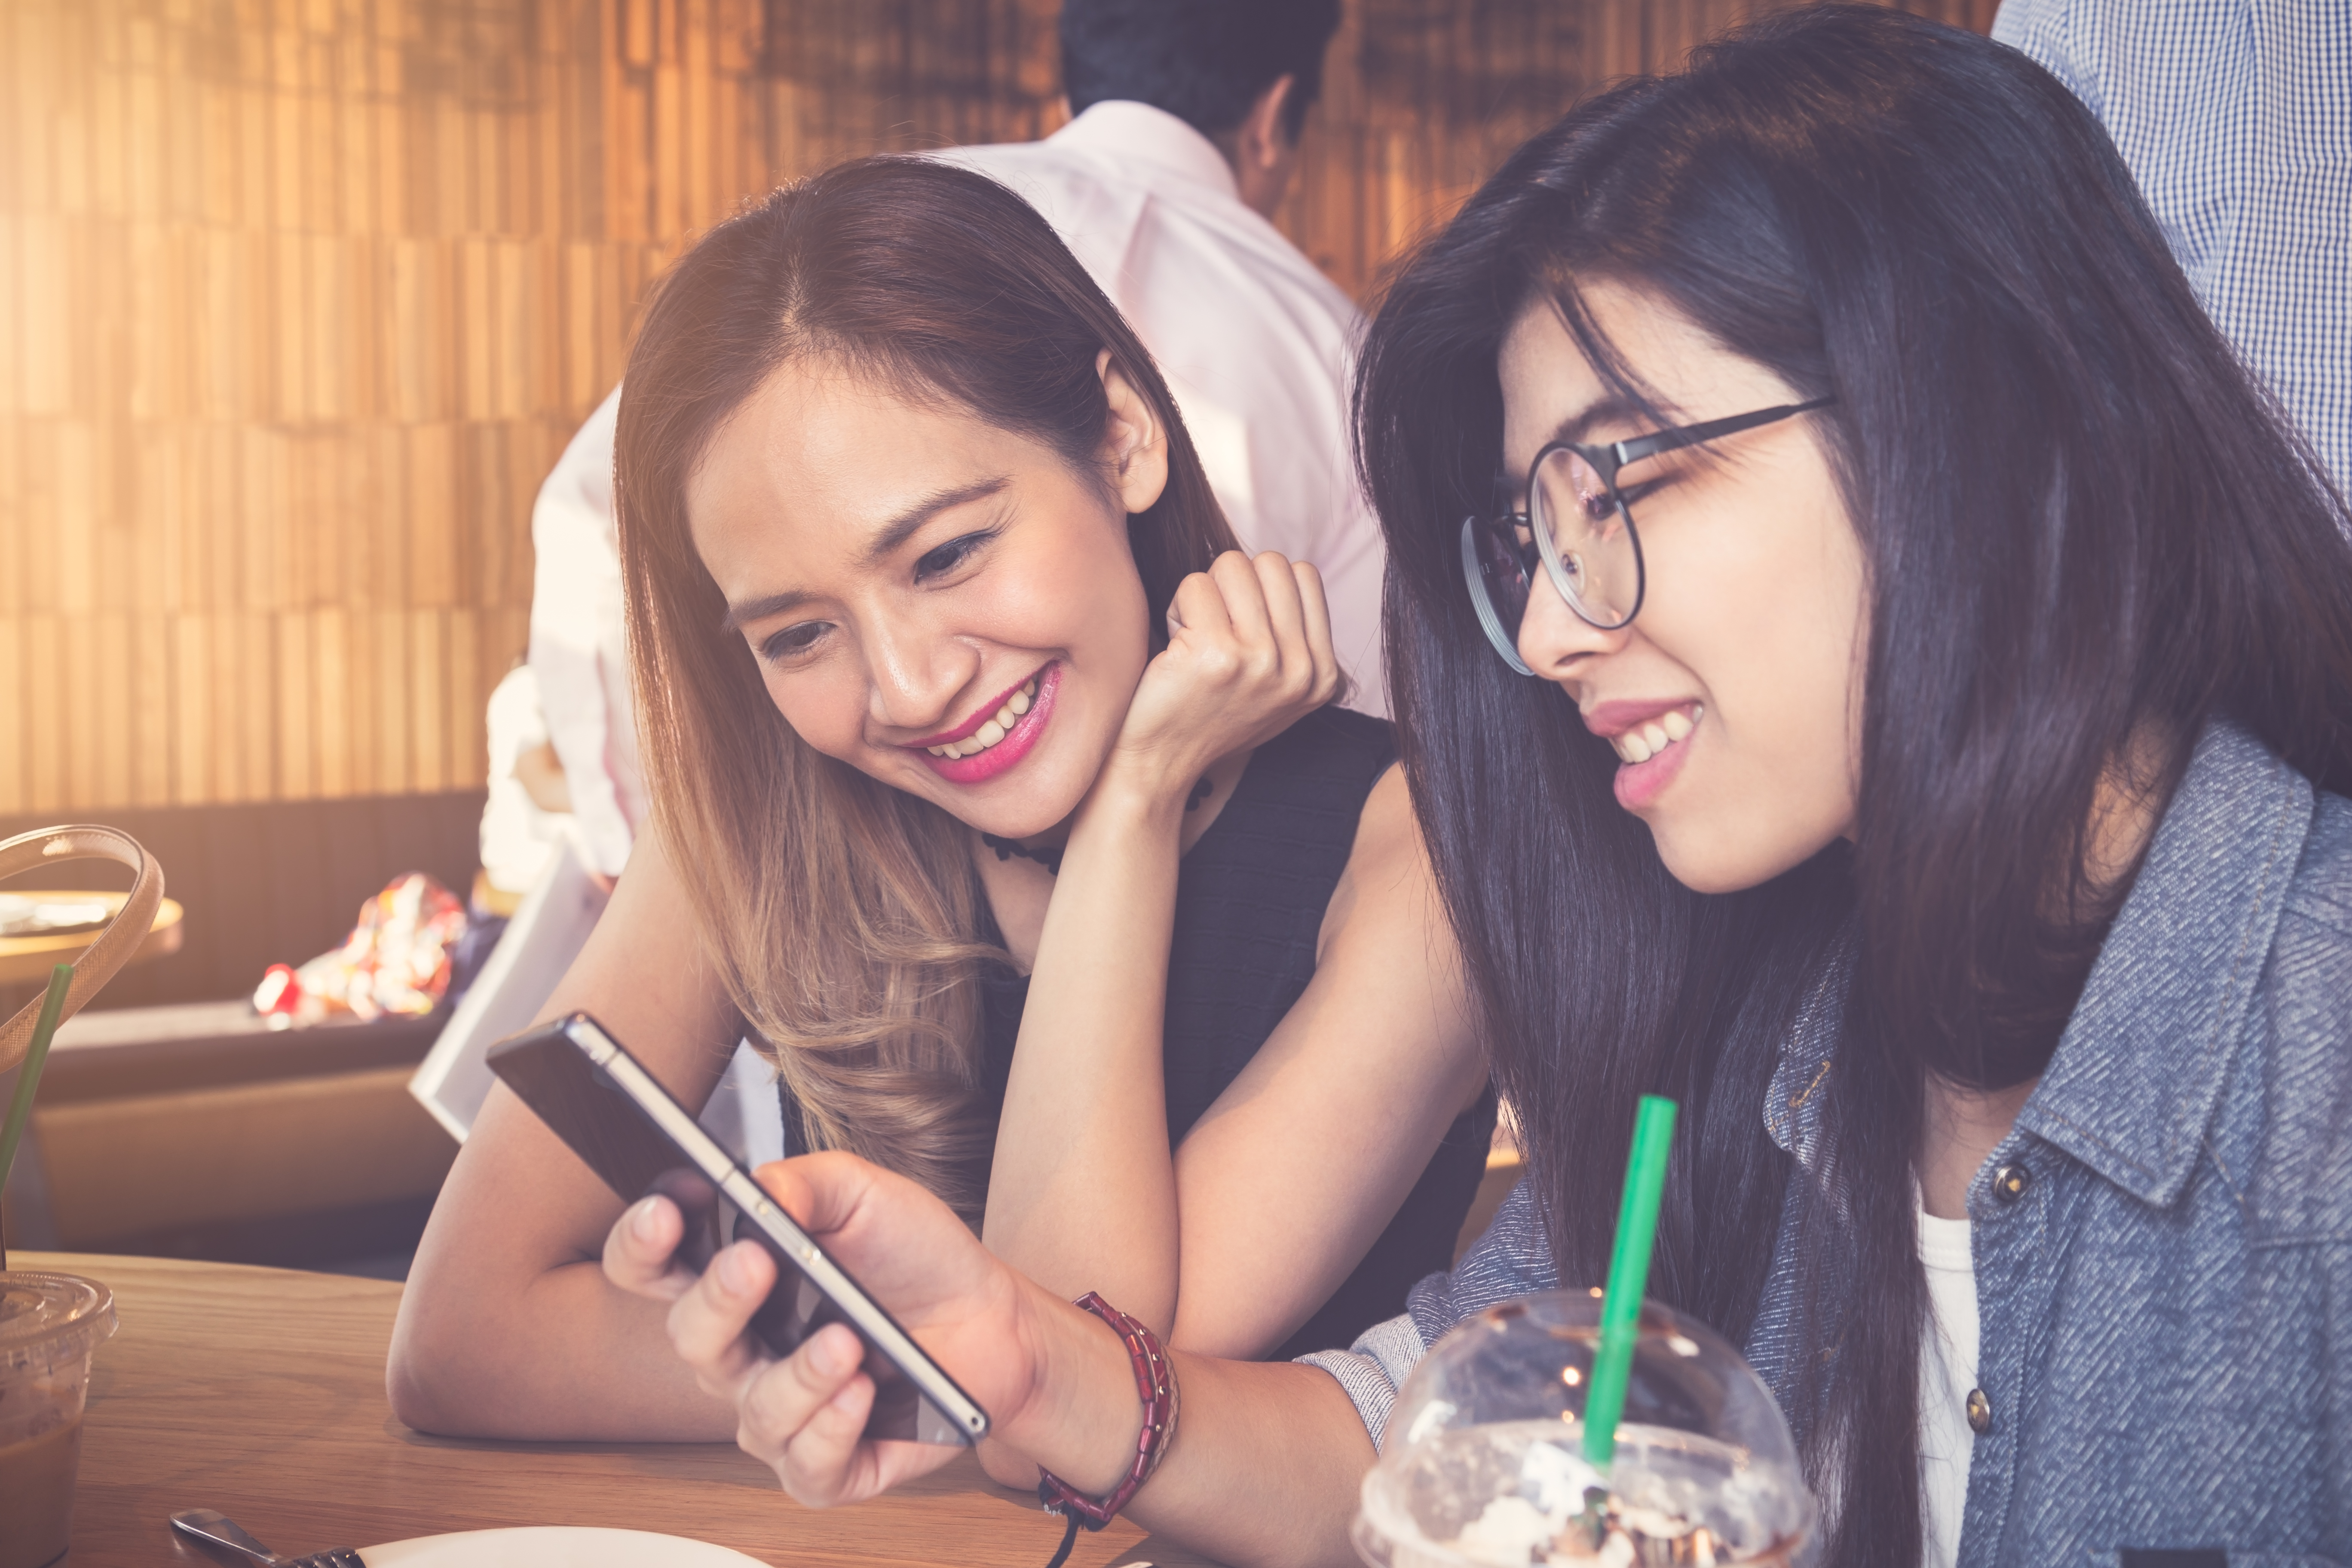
602,1102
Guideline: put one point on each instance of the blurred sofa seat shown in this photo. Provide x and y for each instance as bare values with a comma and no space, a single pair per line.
195,1130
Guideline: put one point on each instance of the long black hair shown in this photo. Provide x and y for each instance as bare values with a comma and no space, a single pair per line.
2085,525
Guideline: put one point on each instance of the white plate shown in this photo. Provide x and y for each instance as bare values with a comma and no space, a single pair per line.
554,1546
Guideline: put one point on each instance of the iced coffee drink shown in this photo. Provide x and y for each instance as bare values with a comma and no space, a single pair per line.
49,1323
1484,1464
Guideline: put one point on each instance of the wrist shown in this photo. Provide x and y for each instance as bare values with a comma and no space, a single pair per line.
1134,794
1083,1413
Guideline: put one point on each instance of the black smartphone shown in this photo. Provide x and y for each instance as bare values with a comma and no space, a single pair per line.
613,1113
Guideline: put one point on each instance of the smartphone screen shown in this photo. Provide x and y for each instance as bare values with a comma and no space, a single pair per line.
610,1111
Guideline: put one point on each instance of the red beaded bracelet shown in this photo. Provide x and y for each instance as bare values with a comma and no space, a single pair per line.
1155,1381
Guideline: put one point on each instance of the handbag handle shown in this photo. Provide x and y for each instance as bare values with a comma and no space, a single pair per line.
115,944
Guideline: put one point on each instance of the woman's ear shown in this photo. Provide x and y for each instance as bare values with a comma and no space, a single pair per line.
1135,446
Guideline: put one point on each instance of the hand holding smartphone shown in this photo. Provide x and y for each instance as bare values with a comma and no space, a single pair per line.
613,1113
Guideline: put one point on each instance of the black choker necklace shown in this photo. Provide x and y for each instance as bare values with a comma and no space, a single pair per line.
1050,855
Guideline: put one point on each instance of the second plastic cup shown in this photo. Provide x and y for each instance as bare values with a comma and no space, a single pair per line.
50,1324
1484,1464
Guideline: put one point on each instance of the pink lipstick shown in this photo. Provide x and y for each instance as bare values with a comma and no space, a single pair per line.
982,759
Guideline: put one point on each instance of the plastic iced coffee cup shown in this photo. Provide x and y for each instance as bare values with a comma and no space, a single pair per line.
50,1324
1483,1465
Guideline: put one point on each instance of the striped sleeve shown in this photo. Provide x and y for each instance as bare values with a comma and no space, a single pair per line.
1512,1258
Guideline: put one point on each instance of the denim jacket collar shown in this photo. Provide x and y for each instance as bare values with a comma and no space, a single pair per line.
2131,1089
2132,1085
1792,1104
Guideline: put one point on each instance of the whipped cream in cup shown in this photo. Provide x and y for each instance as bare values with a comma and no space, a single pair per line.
1483,1466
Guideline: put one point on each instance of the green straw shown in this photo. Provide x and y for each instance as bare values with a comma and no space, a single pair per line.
1629,1276
28,1078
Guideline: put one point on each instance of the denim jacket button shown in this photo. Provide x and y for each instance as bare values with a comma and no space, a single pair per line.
1980,1411
2010,1182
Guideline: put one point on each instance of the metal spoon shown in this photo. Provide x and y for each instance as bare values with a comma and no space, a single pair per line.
216,1529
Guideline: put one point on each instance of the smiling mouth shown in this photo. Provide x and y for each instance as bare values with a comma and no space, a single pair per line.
1648,739
992,728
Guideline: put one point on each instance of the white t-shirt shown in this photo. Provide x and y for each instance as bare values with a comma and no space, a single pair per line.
1947,1372
1257,346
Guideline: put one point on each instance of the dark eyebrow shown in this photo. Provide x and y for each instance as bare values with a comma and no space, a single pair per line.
909,522
1577,425
740,615
1572,431
884,545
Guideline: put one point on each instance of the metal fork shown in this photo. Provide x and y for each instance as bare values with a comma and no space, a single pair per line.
216,1529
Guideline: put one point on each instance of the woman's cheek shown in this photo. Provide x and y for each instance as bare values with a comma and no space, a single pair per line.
820,718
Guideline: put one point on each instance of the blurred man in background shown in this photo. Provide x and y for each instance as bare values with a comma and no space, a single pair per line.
1186,129
2235,118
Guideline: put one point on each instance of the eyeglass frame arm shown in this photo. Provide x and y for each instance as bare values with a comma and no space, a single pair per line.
1618,454
1607,458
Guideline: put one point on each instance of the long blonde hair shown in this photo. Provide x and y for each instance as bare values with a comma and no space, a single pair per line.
841,914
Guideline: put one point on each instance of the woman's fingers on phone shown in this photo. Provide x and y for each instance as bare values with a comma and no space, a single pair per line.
708,1324
805,1416
641,1250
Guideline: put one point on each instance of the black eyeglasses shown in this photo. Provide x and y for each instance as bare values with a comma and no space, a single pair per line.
1580,525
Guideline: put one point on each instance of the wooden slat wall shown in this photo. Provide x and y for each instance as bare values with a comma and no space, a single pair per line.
299,298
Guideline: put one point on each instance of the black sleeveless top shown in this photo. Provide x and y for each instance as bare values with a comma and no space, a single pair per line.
1251,896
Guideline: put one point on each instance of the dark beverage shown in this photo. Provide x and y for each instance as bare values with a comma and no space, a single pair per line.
50,1324
36,1487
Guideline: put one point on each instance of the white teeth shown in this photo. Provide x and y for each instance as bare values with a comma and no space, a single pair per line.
990,733
1640,745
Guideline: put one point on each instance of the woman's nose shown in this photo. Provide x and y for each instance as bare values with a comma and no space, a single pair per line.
913,674
1556,642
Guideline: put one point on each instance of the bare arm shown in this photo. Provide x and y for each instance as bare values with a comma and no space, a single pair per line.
1340,1109
1082,1147
1266,1462
509,1328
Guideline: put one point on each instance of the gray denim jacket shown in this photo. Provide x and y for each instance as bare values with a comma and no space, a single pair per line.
2165,1284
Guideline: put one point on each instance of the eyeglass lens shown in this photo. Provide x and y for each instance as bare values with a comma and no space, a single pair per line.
1580,529
1574,525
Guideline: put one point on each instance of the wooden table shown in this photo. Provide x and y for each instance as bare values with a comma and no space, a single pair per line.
27,960
259,1391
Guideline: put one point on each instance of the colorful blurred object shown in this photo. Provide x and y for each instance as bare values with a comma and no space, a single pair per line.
396,959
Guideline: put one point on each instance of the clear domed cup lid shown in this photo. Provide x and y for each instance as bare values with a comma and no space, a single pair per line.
50,1320
1484,1464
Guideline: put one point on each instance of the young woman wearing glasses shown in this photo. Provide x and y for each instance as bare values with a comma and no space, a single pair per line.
1900,706
1000,798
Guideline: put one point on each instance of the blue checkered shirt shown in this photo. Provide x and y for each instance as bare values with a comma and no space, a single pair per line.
2235,117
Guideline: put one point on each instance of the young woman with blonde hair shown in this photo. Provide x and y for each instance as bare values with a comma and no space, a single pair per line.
1001,798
